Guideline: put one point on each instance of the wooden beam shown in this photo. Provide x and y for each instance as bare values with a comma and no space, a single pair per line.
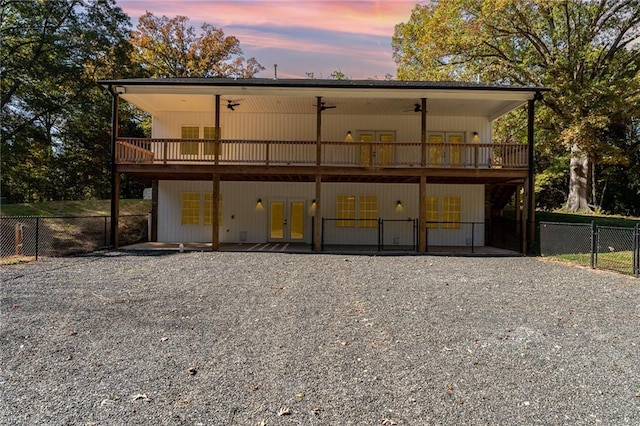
154,210
531,229
115,174
422,216
423,133
215,209
115,209
216,131
317,232
318,130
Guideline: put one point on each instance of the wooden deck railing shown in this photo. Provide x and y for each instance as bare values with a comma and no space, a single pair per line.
303,153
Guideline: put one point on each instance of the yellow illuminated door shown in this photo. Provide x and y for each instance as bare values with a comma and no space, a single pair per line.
455,149
296,221
286,220
377,154
365,149
435,151
384,155
276,220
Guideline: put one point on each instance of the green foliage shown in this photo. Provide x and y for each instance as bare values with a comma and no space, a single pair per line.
55,117
586,52
168,47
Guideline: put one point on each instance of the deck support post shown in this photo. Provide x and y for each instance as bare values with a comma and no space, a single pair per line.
531,195
216,147
422,213
115,176
154,210
317,236
423,133
318,130
215,209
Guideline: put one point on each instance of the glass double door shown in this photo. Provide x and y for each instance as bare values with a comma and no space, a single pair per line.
286,220
450,153
376,154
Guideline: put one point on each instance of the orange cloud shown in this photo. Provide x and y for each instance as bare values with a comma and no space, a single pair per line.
375,18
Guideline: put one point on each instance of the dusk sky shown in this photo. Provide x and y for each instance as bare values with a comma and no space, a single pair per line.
300,36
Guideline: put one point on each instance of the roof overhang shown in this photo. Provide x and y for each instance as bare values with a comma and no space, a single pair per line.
299,96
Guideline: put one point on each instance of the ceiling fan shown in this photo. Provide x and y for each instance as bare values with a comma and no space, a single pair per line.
323,106
416,108
232,105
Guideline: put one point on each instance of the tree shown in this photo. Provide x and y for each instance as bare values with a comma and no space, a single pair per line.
586,52
170,48
52,54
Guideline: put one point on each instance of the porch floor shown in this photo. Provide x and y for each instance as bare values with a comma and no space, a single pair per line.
328,249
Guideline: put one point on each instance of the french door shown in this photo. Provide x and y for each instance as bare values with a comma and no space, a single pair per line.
445,148
379,154
286,220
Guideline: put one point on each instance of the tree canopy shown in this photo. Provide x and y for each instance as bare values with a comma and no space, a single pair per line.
586,52
55,123
52,54
169,47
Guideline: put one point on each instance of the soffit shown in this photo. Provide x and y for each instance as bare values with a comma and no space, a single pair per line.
492,103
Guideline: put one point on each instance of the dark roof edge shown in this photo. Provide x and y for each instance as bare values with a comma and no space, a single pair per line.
315,83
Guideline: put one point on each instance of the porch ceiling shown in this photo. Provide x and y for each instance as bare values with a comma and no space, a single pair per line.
299,96
156,103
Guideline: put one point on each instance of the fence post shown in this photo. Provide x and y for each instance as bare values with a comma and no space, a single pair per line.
594,250
105,231
380,234
37,235
313,233
322,236
426,239
636,251
472,235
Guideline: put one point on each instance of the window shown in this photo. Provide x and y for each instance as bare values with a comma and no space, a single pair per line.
210,134
368,211
451,212
431,210
208,206
190,208
189,132
346,209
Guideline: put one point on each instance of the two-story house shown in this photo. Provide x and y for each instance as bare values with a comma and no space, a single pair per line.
325,162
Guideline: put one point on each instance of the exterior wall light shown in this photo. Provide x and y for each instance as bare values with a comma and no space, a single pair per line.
475,136
349,137
399,207
259,206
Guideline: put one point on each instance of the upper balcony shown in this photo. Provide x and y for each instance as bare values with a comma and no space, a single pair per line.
356,155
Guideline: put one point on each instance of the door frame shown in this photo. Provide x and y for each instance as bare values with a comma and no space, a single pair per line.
379,155
287,214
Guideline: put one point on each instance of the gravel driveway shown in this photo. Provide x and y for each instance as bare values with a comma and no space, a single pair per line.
276,339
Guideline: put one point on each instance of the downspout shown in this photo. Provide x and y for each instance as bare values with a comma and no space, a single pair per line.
115,190
531,216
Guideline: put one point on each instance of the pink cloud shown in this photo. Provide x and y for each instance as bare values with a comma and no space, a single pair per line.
376,18
354,36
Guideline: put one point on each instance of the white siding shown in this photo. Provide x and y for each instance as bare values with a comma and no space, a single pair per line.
303,126
241,218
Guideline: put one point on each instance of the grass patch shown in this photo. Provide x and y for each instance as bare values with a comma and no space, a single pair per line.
75,208
621,261
600,220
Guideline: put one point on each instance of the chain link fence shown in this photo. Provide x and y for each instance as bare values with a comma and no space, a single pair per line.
603,247
28,237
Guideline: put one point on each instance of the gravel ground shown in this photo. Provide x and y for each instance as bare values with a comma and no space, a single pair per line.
273,339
